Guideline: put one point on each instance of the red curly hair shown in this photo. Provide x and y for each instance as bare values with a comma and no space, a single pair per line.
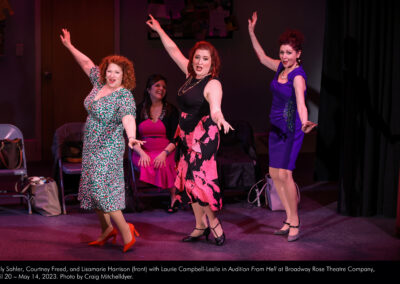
215,61
128,76
294,38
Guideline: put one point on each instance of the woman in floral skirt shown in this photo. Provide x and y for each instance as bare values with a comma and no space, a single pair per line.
199,100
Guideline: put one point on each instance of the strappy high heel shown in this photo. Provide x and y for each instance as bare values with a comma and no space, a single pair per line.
283,232
219,241
174,207
113,234
132,242
295,237
188,239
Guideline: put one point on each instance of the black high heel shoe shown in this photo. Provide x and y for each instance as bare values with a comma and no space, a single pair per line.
283,232
294,237
219,241
174,207
189,238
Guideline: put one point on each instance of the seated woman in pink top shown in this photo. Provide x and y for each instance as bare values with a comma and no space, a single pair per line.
157,121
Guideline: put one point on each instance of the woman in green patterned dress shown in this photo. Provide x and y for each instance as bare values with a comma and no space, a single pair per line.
111,109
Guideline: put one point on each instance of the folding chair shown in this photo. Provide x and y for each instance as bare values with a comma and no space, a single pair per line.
9,131
237,158
69,132
131,180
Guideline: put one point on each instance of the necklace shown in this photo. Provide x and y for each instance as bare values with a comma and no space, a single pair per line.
186,87
283,76
160,117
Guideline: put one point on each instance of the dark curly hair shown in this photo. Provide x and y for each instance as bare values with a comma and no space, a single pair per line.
128,77
215,60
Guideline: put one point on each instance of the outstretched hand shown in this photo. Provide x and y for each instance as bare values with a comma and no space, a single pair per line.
66,38
225,125
308,126
132,142
153,24
252,22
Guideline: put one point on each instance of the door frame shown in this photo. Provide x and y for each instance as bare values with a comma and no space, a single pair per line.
34,146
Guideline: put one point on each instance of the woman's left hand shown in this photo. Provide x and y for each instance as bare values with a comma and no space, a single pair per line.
308,126
159,161
222,123
132,142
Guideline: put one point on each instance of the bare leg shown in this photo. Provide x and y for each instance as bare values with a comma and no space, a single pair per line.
287,192
274,172
291,197
122,225
201,222
217,229
105,223
174,197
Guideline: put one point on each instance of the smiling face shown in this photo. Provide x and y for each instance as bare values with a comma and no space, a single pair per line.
288,55
201,63
114,76
157,91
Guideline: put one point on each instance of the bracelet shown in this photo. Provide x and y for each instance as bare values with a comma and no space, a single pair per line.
166,151
131,137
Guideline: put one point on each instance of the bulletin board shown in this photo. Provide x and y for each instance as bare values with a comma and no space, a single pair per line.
193,19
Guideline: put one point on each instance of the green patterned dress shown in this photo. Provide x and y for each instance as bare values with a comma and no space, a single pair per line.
102,184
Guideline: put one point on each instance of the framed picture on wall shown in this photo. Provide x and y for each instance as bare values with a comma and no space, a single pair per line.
4,8
193,19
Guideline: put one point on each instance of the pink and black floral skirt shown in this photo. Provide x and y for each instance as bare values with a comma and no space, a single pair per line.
197,167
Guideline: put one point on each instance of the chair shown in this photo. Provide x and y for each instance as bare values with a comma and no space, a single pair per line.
130,174
138,188
69,132
237,158
9,131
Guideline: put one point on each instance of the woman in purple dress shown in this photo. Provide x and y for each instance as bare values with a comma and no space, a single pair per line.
288,119
157,121
201,119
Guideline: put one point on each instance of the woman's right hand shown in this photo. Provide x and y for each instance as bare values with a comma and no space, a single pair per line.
252,22
144,160
154,24
66,38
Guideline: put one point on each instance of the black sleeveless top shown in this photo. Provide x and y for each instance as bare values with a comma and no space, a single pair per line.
192,103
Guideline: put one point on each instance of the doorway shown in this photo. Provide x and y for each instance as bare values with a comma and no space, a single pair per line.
64,86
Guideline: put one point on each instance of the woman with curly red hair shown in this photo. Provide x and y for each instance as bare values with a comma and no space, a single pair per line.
111,110
288,119
199,100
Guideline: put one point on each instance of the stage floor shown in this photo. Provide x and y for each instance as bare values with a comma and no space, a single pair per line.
325,234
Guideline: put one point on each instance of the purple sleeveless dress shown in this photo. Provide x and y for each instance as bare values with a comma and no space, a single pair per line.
285,136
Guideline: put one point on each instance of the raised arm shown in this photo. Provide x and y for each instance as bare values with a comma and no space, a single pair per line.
169,45
83,61
213,95
264,59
